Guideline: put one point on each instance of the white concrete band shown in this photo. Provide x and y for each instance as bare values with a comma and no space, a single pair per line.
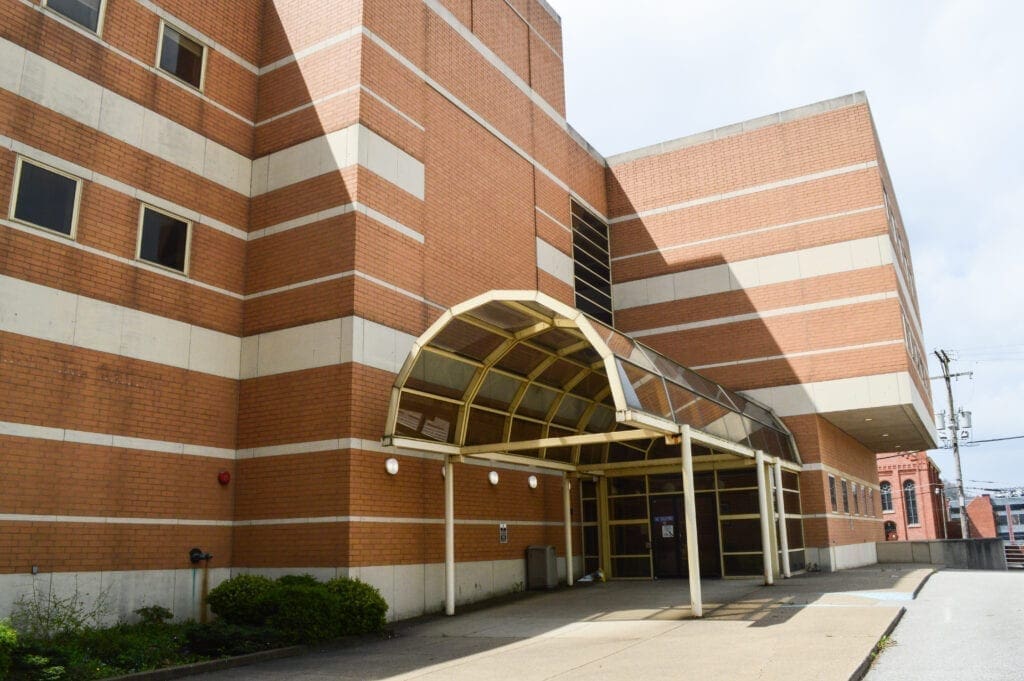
554,262
767,186
47,84
767,314
744,275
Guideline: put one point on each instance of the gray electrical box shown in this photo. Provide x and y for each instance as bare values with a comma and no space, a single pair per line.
541,568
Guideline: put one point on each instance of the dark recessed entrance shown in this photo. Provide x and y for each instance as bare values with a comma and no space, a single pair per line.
667,544
668,541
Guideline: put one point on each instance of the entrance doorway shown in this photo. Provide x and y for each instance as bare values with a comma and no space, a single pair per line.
667,544
668,537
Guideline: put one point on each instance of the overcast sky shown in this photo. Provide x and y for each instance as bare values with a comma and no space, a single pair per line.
945,81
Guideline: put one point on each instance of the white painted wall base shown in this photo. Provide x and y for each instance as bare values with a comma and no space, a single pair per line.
832,558
126,591
410,590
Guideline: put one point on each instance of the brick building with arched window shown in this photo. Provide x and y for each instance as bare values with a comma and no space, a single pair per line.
911,494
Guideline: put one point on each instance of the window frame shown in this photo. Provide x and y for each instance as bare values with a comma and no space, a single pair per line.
833,494
189,225
856,499
100,16
910,503
846,495
885,493
16,186
204,60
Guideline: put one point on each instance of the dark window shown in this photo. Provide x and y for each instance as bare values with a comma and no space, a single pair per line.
856,500
591,264
910,502
45,198
164,239
846,497
181,56
885,491
83,12
832,494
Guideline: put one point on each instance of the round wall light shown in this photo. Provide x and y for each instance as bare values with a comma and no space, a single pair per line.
224,477
532,481
493,477
391,466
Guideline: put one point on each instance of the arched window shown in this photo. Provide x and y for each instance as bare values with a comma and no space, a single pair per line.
910,502
886,493
890,531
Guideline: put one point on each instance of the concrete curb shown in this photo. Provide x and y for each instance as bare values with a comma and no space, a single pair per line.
861,671
213,665
923,582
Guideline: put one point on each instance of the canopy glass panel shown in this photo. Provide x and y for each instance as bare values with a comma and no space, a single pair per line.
519,366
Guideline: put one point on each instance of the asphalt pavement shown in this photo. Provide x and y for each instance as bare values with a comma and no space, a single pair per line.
963,625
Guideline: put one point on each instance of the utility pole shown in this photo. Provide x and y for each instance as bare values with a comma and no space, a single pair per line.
955,431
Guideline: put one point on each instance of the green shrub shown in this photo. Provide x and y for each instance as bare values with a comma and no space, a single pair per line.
305,613
154,614
8,640
363,609
47,615
301,580
128,647
221,638
240,600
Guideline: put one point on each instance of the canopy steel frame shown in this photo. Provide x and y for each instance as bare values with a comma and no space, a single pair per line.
651,412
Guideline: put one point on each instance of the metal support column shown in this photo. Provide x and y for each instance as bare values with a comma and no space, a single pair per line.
567,509
780,504
449,536
690,520
762,504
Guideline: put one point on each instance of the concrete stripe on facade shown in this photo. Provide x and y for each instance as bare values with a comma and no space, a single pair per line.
805,353
35,432
552,219
198,35
668,248
837,515
139,264
765,314
262,522
835,472
842,394
343,148
109,520
90,175
320,344
47,84
554,262
806,263
733,129
160,73
331,41
92,324
441,90
768,186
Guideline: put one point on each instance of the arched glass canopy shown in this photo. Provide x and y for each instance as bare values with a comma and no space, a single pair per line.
518,371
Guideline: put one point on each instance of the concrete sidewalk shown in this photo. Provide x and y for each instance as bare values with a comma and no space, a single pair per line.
814,626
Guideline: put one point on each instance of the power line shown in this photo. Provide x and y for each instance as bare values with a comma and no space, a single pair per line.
997,439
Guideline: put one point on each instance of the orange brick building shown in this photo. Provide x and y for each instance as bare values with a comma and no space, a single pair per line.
913,497
230,227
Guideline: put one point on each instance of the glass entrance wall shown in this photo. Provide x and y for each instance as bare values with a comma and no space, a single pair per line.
629,527
794,520
734,529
